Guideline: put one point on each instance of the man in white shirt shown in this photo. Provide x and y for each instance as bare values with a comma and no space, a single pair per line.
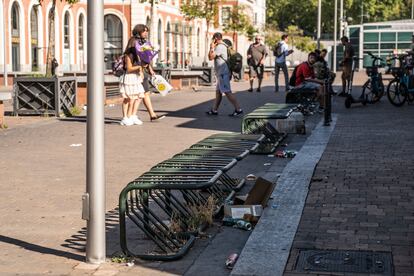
281,51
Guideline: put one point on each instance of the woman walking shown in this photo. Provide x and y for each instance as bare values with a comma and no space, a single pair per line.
130,86
145,54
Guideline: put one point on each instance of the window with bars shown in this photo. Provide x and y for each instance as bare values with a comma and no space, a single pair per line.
80,32
66,34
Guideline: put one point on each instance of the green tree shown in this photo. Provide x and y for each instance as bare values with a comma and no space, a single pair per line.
51,39
239,22
203,9
283,13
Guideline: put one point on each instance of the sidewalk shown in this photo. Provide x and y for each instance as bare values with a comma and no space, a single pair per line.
43,178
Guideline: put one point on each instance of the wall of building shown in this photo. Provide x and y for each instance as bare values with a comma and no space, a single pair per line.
180,41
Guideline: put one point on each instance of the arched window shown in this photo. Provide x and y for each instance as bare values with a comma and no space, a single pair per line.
159,34
34,36
168,42
66,31
15,33
80,32
198,42
175,55
112,39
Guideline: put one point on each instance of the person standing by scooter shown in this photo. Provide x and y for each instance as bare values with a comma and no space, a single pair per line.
346,63
281,51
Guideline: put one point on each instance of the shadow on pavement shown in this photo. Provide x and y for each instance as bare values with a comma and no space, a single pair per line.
41,249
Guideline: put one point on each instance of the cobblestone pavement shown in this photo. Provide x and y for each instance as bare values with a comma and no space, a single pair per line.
361,196
43,174
42,179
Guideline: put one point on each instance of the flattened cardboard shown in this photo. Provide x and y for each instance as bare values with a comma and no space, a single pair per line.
255,201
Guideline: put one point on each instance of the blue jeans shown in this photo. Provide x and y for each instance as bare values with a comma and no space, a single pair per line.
282,66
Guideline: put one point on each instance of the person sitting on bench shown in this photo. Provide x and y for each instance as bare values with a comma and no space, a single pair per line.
305,78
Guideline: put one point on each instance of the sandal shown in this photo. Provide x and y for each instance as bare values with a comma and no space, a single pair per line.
156,118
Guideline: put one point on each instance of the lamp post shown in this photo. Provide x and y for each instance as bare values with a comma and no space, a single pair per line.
342,19
93,200
335,36
4,45
319,23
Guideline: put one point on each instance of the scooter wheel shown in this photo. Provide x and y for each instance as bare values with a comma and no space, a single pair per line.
348,102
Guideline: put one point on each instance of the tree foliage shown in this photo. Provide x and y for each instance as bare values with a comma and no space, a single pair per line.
283,13
239,22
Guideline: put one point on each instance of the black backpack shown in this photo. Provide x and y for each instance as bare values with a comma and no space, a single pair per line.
277,50
292,80
234,60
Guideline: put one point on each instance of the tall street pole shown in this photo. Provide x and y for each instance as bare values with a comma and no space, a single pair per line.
412,9
6,83
342,19
319,23
94,199
335,36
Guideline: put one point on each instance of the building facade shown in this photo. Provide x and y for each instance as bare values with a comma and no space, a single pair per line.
24,33
382,39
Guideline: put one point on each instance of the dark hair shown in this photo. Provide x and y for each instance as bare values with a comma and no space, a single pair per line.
130,49
344,38
324,51
312,54
317,52
228,42
217,36
139,29
284,36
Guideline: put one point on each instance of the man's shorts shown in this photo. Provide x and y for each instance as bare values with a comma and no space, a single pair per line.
346,72
256,71
223,83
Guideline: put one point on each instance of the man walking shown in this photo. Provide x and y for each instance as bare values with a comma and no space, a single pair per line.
256,55
218,53
281,51
346,65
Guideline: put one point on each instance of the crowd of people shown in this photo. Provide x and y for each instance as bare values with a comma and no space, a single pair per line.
308,75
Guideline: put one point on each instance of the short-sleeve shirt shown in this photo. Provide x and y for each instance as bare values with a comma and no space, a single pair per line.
257,53
303,72
284,50
220,64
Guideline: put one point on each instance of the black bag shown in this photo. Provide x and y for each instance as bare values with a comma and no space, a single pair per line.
292,80
277,50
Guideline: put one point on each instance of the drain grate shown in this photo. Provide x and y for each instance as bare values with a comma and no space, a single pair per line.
379,263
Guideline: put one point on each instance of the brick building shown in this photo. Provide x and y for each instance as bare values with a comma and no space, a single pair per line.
24,24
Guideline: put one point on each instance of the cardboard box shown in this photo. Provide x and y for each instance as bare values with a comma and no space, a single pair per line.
253,203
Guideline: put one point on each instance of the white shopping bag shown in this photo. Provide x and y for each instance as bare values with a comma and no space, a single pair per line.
161,84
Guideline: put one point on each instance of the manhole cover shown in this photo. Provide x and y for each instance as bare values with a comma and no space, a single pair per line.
345,261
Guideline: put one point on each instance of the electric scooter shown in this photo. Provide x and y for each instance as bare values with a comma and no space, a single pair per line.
349,98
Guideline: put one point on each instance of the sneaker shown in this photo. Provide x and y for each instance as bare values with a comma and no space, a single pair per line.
258,90
126,122
236,113
212,112
136,120
250,90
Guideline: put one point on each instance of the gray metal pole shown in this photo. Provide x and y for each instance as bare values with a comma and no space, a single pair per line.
319,23
94,200
342,19
412,9
5,76
335,36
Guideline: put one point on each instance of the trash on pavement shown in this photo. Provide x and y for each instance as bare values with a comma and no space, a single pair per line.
251,206
285,153
231,260
75,145
267,164
251,177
